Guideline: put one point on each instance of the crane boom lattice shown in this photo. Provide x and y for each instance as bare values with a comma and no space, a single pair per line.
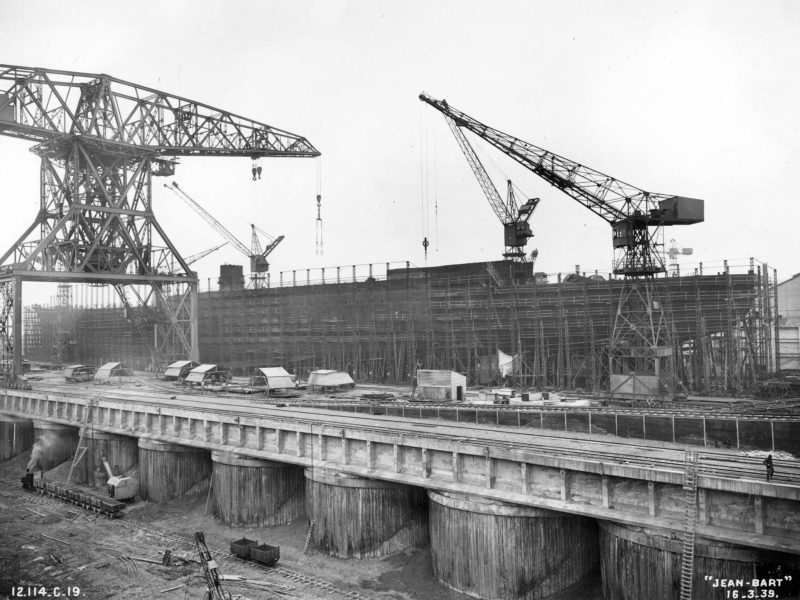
641,354
101,140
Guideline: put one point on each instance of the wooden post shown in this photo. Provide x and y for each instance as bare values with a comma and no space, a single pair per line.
524,477
651,498
606,492
758,514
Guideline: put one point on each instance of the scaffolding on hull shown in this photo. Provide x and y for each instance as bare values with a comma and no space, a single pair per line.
449,317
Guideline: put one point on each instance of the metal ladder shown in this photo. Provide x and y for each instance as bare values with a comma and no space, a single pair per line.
689,524
495,275
82,446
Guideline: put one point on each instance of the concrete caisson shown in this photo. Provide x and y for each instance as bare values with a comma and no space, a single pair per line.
120,451
167,471
490,549
646,563
357,517
256,493
16,436
54,443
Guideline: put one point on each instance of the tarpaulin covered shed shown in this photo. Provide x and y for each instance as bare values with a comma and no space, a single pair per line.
274,378
208,374
179,370
78,373
112,369
324,378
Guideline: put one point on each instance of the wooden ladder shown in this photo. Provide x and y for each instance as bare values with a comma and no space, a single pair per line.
689,524
308,536
82,446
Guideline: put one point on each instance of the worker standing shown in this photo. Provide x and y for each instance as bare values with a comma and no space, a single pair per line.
770,467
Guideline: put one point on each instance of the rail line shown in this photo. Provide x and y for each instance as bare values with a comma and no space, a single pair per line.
554,443
220,554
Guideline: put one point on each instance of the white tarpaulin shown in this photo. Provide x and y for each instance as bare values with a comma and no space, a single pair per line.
112,369
198,374
277,378
505,363
326,378
175,369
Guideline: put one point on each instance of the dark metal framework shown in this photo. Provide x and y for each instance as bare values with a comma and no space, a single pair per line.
512,215
641,354
101,140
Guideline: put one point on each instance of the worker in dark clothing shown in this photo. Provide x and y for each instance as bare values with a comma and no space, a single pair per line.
770,467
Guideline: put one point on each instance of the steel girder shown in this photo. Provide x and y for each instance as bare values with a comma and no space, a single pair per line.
96,224
44,105
641,352
627,208
101,140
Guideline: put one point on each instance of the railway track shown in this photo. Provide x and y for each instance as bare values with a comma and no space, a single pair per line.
56,507
546,442
697,409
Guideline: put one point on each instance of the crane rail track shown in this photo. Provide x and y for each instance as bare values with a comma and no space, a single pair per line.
717,409
545,442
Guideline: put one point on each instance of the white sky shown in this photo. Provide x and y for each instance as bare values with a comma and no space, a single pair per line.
699,99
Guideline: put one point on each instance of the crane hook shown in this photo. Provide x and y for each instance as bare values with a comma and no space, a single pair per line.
256,169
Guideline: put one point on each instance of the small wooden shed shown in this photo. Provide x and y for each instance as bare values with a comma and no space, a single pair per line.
330,380
113,370
273,378
441,385
207,374
179,370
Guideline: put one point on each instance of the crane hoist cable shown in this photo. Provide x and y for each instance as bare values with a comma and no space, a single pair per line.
319,247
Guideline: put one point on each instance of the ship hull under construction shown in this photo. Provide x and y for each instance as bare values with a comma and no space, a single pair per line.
449,317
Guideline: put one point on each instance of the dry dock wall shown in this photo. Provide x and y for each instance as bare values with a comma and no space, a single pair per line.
734,507
256,493
121,453
646,563
167,471
492,549
16,436
357,517
54,443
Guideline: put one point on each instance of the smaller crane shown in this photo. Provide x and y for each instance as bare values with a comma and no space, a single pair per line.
513,215
672,253
256,254
216,589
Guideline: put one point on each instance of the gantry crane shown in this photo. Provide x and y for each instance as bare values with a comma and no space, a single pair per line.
513,216
101,140
256,253
641,355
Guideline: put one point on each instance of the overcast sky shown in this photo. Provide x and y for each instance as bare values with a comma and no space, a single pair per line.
699,99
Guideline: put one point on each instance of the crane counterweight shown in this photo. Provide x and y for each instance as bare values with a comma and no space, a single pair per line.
641,353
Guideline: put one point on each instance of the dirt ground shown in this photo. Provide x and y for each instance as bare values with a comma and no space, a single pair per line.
54,547
51,546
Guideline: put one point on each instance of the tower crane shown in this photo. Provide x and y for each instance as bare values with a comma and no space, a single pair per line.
513,216
101,140
256,254
193,258
641,355
673,252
